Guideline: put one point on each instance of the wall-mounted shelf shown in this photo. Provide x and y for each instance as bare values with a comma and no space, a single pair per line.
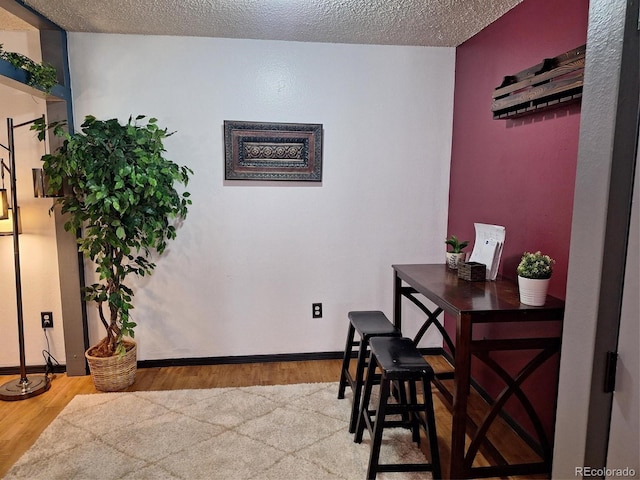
17,78
554,82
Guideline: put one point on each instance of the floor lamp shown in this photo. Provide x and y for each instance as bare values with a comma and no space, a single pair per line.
25,387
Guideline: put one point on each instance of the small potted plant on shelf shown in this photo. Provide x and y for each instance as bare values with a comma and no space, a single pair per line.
534,272
42,76
455,254
121,194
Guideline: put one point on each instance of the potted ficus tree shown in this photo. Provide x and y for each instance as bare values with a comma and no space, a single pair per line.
120,193
455,253
534,272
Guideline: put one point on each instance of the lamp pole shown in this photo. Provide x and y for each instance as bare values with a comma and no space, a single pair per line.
25,387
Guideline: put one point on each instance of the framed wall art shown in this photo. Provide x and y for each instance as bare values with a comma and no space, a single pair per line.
273,151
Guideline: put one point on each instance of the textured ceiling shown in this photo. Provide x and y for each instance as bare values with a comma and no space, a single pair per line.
385,22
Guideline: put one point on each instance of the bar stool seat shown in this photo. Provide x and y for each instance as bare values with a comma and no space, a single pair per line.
368,324
400,363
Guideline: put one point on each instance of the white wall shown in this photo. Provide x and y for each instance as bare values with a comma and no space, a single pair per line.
38,254
251,258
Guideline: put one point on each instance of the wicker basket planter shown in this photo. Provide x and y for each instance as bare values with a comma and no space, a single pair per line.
111,374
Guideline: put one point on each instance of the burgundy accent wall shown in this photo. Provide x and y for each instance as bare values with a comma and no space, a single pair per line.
517,173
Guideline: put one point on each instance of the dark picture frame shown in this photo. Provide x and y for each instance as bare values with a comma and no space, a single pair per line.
273,151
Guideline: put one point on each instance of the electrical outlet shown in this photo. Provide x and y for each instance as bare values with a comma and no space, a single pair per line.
316,310
46,318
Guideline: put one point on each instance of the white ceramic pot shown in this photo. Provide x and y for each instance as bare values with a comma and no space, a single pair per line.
533,291
453,259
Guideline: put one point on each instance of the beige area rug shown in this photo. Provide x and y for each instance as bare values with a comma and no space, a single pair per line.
262,432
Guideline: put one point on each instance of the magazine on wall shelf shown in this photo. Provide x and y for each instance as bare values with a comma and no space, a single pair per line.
487,248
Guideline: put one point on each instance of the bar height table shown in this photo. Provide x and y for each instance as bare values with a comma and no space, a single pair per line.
474,303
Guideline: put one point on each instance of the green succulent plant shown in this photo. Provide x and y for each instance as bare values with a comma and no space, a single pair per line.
456,245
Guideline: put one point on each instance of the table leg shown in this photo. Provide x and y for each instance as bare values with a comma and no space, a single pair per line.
462,380
397,301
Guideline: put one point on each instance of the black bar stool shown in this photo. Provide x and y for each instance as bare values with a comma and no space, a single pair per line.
399,362
368,324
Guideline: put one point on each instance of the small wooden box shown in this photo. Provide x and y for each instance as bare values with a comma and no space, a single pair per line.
472,271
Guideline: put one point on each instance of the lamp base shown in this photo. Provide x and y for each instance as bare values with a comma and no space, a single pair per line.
23,388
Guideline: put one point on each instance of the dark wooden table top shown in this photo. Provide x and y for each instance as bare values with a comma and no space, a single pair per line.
496,300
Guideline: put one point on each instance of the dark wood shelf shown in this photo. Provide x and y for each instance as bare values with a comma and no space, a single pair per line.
554,82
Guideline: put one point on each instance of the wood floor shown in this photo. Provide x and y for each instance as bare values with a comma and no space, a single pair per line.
21,422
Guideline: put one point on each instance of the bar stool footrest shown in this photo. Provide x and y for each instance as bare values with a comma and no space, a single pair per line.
405,467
